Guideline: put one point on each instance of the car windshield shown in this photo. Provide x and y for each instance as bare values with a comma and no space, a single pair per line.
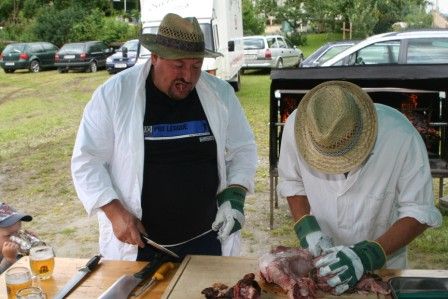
253,43
131,45
73,47
18,48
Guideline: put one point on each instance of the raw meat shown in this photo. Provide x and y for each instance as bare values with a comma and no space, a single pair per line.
246,288
293,270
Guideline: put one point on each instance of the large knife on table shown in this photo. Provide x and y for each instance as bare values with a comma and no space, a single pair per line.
74,281
126,283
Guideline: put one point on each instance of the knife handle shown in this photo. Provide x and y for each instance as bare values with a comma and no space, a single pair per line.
93,262
165,268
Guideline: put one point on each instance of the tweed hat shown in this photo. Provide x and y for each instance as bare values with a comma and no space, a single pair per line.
178,38
336,127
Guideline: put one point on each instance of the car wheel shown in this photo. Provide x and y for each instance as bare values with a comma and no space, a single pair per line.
35,66
279,64
61,70
93,67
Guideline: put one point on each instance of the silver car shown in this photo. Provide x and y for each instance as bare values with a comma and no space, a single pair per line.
428,46
270,51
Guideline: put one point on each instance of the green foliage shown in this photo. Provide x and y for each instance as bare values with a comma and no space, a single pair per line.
252,24
89,28
297,38
418,18
56,25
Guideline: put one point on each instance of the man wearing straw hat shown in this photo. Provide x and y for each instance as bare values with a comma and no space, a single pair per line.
165,149
357,179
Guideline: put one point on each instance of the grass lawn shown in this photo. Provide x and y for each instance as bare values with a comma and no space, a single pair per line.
39,117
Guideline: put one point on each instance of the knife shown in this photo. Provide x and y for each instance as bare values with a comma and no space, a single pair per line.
126,283
158,276
74,281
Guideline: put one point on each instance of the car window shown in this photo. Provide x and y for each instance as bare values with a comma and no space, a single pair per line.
130,45
377,53
272,42
331,53
73,47
281,43
36,48
18,48
253,44
427,50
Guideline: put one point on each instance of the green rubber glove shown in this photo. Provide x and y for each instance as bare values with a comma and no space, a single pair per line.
230,215
310,236
348,264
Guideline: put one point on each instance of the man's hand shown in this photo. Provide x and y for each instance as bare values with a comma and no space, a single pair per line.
9,251
126,226
348,264
230,215
310,236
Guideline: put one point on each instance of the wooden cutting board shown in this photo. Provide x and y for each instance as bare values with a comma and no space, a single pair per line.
199,272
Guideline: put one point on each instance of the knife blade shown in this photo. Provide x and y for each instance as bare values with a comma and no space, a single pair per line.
74,281
126,283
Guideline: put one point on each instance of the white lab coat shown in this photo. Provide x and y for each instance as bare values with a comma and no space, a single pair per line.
395,182
108,155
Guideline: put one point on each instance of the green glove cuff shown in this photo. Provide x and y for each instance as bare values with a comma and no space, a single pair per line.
234,195
371,254
304,226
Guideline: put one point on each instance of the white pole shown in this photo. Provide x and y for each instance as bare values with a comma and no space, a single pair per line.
124,6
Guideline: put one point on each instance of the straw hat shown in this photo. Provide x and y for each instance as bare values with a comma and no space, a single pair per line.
178,38
336,127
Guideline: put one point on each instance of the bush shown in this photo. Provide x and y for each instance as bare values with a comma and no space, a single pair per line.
297,39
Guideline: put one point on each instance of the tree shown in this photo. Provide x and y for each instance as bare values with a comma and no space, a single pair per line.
252,24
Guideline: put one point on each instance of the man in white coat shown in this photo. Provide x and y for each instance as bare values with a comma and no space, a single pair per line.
356,175
164,149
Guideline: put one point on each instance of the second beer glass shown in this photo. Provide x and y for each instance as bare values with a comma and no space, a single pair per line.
42,261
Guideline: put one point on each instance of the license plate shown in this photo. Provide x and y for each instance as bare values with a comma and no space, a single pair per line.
250,57
9,63
120,65
69,56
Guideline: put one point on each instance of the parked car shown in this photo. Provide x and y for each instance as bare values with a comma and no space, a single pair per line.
270,51
124,57
326,52
87,56
31,56
407,47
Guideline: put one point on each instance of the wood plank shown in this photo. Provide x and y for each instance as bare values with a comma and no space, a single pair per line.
95,283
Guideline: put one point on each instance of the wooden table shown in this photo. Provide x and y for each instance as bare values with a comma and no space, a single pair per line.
185,282
95,283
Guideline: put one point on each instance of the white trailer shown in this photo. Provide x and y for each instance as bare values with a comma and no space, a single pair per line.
221,22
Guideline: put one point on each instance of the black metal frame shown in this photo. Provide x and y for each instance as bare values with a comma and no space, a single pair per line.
388,78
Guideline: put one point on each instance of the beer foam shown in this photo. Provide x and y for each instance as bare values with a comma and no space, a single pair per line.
41,253
17,278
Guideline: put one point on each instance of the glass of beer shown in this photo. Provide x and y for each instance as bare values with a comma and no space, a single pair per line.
31,293
17,278
42,261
